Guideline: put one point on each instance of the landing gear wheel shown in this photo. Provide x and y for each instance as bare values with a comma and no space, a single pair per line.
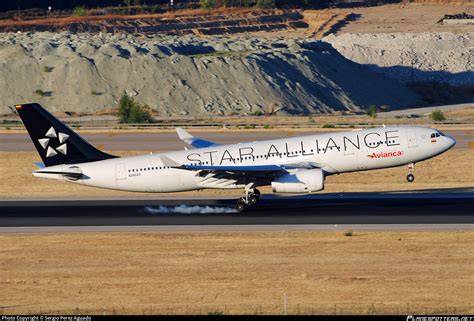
410,178
252,199
240,206
256,192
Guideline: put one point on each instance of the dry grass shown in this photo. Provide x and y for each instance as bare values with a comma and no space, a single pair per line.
452,169
184,13
238,272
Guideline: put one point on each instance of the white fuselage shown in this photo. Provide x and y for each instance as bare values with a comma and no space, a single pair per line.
335,152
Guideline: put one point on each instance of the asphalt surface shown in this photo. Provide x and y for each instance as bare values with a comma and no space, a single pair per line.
170,141
381,209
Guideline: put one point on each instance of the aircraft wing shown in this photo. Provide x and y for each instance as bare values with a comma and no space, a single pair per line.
193,141
211,176
241,169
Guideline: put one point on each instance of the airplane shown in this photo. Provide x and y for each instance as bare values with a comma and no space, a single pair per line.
289,165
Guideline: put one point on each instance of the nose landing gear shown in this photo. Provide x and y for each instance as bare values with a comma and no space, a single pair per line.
252,196
410,176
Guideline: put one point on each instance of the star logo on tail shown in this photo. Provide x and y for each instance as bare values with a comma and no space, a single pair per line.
50,151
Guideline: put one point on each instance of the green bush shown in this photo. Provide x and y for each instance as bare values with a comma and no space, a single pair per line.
43,93
265,4
348,233
132,112
207,4
437,115
267,126
79,11
48,69
328,126
371,111
258,113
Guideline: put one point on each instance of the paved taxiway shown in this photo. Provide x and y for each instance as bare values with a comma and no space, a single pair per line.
421,210
170,141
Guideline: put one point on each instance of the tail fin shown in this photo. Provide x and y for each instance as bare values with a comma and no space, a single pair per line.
56,143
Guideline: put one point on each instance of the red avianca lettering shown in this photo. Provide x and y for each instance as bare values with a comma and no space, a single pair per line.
385,154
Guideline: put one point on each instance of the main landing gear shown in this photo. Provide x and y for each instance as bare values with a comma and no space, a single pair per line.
410,176
252,196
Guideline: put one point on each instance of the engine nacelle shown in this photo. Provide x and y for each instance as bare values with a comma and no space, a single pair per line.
302,181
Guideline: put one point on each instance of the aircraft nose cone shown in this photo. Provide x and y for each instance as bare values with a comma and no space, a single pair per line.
451,141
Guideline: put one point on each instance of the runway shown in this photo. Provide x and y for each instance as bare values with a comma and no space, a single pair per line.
421,210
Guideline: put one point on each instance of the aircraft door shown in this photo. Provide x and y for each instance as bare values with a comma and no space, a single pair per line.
411,138
351,158
349,149
120,172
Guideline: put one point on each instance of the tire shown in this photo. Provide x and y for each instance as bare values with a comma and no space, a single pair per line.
252,199
256,192
410,178
240,206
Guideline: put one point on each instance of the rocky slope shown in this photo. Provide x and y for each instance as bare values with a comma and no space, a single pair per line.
87,73
441,57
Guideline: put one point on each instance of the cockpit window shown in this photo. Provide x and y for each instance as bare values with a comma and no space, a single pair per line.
437,134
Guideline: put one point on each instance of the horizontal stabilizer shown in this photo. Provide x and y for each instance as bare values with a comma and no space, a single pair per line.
72,173
40,164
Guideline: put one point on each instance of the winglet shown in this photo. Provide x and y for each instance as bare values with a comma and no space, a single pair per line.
193,141
183,135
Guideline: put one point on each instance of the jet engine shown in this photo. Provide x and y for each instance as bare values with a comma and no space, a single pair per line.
302,181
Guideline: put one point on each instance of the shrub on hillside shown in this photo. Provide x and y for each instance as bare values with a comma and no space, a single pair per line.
265,4
437,115
371,111
132,112
79,11
207,4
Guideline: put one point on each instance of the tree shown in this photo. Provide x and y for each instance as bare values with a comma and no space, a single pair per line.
79,11
372,111
132,112
437,115
265,4
207,4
